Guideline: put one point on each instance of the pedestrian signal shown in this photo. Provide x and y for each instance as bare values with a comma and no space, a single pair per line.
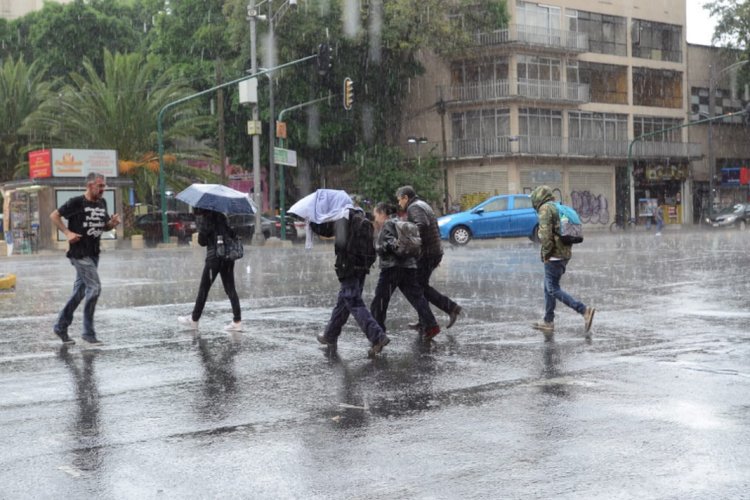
348,93
325,59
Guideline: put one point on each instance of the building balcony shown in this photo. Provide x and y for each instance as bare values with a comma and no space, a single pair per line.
563,146
519,35
522,89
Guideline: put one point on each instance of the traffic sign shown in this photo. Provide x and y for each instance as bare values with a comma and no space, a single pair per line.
286,157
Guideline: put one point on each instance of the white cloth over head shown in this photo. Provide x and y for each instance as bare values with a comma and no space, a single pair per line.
324,205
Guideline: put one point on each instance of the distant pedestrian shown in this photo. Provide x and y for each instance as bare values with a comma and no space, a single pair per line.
397,271
214,230
87,218
555,255
421,214
355,254
658,218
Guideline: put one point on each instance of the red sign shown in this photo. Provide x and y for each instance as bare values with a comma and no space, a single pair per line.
744,176
40,164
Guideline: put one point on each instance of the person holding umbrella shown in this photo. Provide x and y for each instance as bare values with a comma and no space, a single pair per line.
212,202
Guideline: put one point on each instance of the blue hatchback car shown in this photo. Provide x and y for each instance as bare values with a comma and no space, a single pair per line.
506,215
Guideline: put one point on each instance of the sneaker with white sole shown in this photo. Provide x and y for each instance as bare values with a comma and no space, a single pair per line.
234,326
544,327
91,342
588,317
187,321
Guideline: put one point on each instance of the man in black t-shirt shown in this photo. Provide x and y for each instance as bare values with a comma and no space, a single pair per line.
87,218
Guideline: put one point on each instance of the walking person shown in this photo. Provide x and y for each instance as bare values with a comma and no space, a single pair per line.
421,214
213,230
355,254
87,218
658,218
555,255
397,272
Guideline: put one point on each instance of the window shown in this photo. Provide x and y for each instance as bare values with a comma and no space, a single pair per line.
520,202
607,34
466,72
538,68
535,122
658,88
480,132
648,124
659,41
608,83
496,206
538,16
597,126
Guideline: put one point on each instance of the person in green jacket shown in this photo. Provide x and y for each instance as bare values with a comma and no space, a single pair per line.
555,255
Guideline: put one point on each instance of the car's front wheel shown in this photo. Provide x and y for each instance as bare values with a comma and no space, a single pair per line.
460,235
742,225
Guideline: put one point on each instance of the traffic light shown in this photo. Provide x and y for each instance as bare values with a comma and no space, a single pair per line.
348,93
325,59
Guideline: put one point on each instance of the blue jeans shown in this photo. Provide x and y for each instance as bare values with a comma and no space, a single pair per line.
405,280
350,302
86,285
553,271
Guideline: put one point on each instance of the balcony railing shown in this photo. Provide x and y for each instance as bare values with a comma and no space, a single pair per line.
553,91
533,35
537,145
524,88
489,146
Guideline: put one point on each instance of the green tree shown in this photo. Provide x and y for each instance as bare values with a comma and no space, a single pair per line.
21,86
119,111
382,169
733,23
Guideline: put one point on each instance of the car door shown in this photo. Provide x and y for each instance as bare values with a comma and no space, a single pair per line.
523,217
492,218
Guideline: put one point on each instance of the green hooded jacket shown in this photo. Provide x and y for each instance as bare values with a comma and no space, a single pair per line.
549,225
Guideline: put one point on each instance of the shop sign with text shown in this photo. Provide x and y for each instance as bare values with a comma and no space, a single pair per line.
40,164
81,162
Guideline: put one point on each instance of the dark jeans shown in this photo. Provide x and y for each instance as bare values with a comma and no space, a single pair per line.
213,268
405,280
424,270
87,285
553,271
350,302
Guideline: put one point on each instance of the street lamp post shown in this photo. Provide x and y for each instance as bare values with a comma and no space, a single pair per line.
711,111
418,141
252,15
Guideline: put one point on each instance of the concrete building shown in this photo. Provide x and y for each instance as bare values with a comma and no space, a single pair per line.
556,98
726,143
12,9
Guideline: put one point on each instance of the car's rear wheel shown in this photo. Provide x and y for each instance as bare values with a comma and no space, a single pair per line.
534,236
460,235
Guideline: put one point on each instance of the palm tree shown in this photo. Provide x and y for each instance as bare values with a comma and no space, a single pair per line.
20,88
119,111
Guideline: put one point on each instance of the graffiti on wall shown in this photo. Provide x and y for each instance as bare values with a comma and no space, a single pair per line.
593,209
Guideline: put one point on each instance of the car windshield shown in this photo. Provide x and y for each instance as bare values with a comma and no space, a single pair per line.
731,210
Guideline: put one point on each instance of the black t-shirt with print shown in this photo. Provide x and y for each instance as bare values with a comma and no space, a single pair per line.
87,218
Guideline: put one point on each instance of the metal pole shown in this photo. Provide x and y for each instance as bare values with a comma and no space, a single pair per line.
271,123
257,193
711,159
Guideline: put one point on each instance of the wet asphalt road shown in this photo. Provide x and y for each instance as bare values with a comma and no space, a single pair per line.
655,405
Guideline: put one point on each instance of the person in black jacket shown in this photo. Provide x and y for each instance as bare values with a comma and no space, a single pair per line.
421,214
211,226
397,272
351,269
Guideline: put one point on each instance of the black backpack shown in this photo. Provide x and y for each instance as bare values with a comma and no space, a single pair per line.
360,247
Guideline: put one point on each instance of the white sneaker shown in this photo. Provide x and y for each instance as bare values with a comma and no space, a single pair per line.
234,326
187,321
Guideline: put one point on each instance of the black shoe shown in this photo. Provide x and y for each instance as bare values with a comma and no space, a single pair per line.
64,337
92,341
376,348
453,316
323,340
